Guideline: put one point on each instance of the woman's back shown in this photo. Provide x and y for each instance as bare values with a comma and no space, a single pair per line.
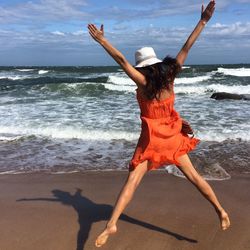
160,108
161,96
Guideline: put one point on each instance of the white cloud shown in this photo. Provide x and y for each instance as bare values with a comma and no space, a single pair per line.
238,33
144,9
78,33
58,33
44,11
239,29
218,25
44,26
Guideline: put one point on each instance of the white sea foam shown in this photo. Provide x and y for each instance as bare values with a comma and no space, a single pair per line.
13,78
120,80
191,80
235,89
9,172
94,75
25,70
241,72
124,83
120,87
125,80
70,133
221,135
9,138
182,89
186,67
41,72
190,90
172,169
101,135
66,172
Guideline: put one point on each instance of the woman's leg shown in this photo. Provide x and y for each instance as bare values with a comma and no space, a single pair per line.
122,201
202,185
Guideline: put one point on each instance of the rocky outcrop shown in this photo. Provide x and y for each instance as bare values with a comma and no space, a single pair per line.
224,95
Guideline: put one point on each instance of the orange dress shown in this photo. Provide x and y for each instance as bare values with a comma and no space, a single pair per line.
161,141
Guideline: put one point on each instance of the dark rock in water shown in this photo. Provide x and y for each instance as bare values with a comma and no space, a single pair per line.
246,97
224,95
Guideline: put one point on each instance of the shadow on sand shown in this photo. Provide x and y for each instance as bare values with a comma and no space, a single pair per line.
90,212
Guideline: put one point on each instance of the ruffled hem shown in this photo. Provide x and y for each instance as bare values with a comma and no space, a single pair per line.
158,160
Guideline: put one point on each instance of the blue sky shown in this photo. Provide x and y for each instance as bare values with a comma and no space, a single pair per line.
49,32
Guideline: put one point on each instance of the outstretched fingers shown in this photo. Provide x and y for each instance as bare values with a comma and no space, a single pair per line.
211,6
208,12
92,28
92,31
96,34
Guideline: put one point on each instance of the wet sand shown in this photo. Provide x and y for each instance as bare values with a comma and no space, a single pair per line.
67,211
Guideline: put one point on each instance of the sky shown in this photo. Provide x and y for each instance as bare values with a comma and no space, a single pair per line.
49,32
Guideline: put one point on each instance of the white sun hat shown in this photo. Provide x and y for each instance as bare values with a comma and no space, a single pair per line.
145,56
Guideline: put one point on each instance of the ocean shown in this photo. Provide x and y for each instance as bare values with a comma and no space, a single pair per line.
72,119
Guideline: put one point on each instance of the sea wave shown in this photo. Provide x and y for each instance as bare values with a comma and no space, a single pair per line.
192,80
53,84
120,80
219,135
115,87
180,89
81,88
125,80
9,138
12,172
25,70
241,72
124,83
41,72
23,74
14,78
65,156
235,89
67,133
77,88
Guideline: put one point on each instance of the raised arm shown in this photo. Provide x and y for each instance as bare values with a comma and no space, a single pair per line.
205,17
98,35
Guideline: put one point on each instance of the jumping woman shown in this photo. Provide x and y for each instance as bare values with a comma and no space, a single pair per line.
164,137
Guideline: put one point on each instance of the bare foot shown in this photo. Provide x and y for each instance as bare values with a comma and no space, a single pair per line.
103,237
224,219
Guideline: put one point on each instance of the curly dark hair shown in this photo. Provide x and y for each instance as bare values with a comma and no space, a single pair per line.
159,76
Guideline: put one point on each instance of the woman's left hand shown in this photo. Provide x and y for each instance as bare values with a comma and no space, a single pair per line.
208,12
97,34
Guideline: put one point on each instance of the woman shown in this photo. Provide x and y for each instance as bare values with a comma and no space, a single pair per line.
164,136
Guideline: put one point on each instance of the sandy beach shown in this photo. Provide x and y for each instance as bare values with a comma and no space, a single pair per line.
67,211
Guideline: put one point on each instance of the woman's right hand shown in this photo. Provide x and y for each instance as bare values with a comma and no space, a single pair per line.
208,12
97,34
